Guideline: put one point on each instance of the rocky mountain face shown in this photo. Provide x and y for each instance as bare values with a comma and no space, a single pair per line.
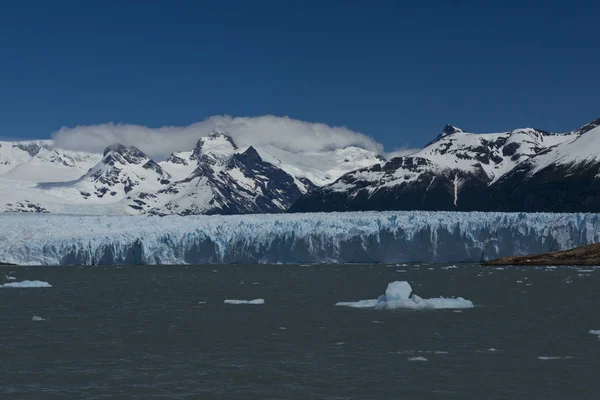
522,170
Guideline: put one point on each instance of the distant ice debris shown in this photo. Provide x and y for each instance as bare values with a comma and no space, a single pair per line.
546,358
358,304
36,318
10,278
235,301
450,267
398,296
595,332
418,359
27,284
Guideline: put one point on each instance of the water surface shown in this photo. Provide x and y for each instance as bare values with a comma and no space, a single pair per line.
164,333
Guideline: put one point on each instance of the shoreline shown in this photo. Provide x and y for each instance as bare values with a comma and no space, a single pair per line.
579,256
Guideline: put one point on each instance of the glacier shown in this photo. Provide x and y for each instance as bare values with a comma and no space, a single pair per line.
357,237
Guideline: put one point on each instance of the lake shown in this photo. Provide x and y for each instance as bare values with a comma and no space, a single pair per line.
165,333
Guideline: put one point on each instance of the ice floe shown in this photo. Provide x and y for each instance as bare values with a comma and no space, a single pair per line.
10,278
547,358
27,284
36,318
235,301
398,296
417,359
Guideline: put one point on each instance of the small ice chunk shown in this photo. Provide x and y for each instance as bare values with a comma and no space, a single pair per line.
282,328
492,349
546,358
26,284
418,359
595,332
10,278
235,301
398,290
358,304
201,302
340,343
450,267
36,318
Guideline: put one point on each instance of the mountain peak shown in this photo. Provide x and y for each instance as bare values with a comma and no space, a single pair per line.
130,154
216,142
449,130
587,127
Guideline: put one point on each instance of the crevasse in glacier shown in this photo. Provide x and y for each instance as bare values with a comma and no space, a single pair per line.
363,237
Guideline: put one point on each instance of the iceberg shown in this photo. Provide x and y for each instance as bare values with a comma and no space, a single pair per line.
37,318
27,284
353,237
255,301
398,296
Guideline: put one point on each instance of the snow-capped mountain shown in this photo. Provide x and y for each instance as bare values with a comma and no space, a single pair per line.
215,177
38,161
522,170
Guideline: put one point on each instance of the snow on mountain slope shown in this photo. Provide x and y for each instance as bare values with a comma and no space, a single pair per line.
387,237
583,149
494,153
121,172
320,168
16,153
215,177
53,165
244,184
456,171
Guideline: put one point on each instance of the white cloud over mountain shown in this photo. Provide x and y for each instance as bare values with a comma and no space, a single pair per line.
283,132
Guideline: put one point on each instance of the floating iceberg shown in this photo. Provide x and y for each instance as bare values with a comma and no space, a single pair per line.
419,358
595,332
26,284
355,237
255,301
36,318
398,296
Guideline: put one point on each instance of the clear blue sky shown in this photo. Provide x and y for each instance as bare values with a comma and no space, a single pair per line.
395,70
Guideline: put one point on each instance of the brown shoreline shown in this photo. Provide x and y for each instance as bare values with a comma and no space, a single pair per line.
583,255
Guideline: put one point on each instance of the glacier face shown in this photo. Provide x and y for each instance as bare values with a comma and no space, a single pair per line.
361,237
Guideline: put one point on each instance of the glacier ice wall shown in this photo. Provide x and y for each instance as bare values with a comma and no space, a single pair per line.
362,237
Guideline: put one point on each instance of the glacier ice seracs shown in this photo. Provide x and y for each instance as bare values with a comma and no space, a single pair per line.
361,237
398,296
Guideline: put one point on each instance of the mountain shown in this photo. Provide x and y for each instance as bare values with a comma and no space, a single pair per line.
38,161
522,170
214,177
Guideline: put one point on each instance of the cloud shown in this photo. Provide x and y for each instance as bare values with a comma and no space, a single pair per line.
401,152
283,132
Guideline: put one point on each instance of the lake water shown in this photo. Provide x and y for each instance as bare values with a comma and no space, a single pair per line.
165,333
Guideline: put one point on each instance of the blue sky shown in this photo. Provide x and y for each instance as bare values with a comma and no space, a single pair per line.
394,70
